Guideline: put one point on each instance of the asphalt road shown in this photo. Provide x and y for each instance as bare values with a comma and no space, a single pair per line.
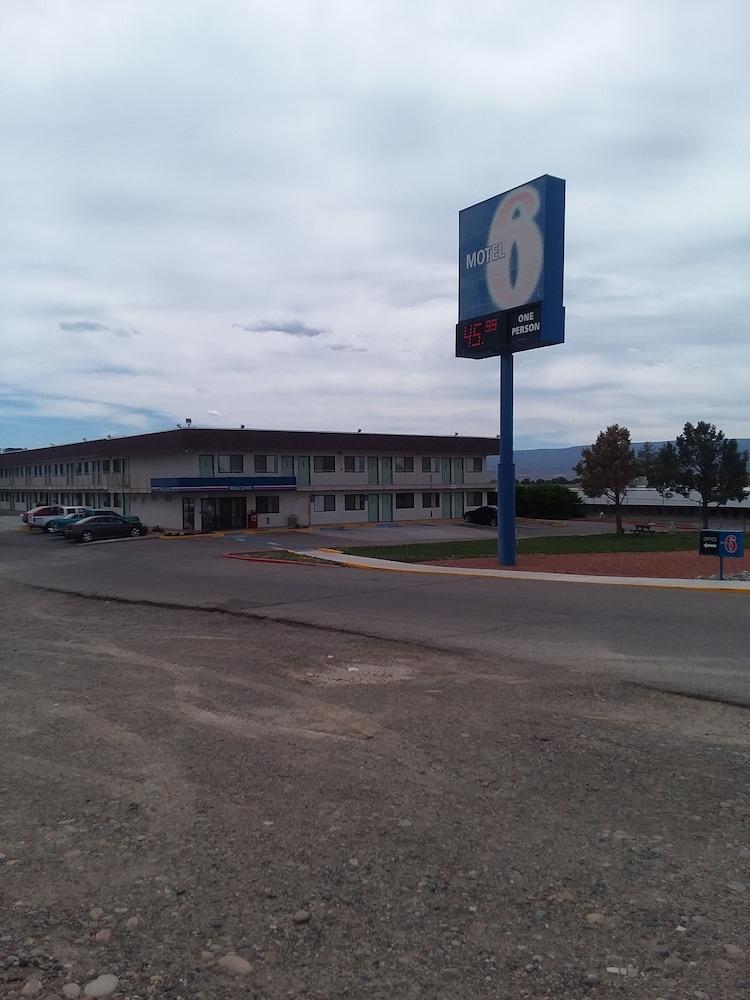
672,640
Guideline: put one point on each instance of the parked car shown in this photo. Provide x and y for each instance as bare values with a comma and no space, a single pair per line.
57,525
27,513
482,515
105,526
42,518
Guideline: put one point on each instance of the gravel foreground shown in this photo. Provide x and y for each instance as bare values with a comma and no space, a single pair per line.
194,805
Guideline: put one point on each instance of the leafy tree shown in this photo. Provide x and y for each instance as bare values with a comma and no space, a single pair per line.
646,459
665,469
609,467
702,461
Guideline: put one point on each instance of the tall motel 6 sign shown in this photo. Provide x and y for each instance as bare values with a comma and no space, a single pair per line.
510,299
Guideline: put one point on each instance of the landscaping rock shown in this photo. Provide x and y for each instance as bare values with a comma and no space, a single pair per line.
234,965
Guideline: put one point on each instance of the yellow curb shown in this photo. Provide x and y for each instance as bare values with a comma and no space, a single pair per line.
233,531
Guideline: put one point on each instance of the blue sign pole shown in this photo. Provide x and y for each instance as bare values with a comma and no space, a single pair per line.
506,470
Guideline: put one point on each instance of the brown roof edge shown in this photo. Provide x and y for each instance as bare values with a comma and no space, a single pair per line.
251,440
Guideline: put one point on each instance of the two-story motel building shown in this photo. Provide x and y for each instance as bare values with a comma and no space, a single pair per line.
206,479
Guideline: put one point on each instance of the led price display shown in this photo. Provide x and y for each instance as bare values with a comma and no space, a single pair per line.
482,337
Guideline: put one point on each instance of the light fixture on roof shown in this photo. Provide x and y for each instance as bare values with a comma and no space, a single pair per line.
359,430
188,422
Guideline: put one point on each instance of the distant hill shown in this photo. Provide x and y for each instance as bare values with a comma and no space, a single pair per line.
549,463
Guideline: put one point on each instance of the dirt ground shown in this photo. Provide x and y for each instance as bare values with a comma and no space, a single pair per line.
669,565
207,806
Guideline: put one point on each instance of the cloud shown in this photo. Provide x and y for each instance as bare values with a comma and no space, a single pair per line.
214,413
324,200
87,326
293,328
84,326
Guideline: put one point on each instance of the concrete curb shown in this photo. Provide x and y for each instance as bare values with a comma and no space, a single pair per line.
389,565
243,557
236,531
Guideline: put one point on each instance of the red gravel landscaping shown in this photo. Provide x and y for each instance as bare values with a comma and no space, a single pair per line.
669,565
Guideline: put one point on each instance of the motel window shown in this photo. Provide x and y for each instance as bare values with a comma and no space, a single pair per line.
85,468
430,465
324,501
355,501
266,463
106,500
117,499
116,465
267,505
354,463
476,465
404,464
492,498
105,465
404,501
77,468
430,500
324,463
230,463
474,499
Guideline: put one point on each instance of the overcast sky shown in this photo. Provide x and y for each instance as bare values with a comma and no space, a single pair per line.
246,212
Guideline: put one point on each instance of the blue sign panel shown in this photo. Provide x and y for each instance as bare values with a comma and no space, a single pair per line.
722,543
223,484
510,285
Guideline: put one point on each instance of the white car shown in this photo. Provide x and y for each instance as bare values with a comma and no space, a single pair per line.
51,513
34,510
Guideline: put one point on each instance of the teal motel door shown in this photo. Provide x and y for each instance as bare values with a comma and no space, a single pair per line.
386,506
303,470
373,507
445,505
457,500
372,471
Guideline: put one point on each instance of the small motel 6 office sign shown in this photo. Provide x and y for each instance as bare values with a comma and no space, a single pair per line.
722,543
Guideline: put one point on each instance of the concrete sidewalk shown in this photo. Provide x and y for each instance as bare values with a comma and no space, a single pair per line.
390,565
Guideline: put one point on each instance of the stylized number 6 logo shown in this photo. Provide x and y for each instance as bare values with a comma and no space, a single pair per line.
514,224
730,543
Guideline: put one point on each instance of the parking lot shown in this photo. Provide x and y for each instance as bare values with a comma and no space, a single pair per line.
392,533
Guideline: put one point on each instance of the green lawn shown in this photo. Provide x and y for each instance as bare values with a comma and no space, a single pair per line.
558,545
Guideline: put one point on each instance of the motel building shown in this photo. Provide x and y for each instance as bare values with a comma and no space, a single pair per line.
203,479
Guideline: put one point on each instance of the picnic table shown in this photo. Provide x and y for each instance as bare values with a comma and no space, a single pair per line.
643,529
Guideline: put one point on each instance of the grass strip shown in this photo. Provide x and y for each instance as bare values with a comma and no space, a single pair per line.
555,545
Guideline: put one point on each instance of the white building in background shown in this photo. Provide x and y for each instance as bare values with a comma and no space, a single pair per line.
203,479
643,501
